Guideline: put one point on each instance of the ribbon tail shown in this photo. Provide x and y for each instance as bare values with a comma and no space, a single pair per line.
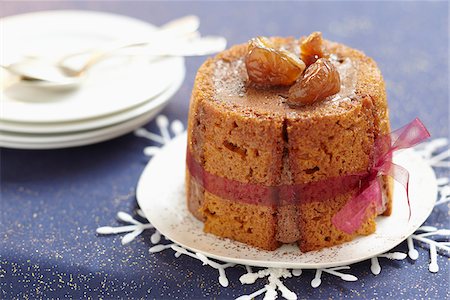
355,211
409,135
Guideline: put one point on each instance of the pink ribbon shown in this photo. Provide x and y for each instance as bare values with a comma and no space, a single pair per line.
272,196
369,199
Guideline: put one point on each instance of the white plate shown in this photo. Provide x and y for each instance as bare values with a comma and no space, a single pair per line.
112,86
20,141
161,196
90,124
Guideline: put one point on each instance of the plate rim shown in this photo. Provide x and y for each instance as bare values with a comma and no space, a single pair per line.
278,264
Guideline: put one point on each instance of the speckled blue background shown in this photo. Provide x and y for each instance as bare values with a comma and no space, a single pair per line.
52,201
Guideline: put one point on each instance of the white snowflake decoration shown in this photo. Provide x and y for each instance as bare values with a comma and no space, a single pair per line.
444,191
428,152
375,265
133,230
274,283
164,137
428,231
275,275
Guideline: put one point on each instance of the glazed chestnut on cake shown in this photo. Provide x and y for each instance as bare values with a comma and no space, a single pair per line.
280,132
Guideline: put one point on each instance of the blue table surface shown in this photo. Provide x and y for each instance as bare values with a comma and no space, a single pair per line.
52,201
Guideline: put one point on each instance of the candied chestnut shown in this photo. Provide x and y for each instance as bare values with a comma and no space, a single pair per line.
311,48
320,80
269,66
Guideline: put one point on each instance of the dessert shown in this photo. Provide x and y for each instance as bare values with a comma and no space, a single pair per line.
281,136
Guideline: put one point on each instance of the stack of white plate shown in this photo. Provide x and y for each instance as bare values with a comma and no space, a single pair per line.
119,95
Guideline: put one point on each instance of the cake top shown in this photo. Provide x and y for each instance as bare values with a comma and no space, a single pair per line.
235,86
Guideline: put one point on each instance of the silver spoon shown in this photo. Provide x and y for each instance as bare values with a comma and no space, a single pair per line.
40,73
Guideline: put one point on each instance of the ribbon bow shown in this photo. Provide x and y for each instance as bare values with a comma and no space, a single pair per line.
354,212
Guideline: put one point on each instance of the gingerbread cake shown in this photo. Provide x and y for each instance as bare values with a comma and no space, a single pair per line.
267,165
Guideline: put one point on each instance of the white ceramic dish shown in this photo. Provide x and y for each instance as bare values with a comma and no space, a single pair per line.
21,141
161,196
113,85
91,124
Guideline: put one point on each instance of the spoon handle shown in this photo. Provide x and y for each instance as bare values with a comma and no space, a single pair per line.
184,27
176,47
190,47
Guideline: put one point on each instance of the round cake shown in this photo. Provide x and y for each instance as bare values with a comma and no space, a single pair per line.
264,172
